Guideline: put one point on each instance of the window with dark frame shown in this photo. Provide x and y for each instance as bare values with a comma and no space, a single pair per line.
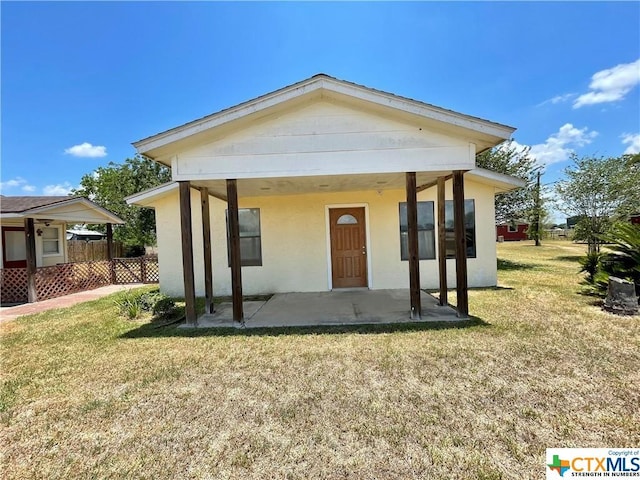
250,237
426,232
469,224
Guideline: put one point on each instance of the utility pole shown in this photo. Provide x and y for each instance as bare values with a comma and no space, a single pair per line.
537,213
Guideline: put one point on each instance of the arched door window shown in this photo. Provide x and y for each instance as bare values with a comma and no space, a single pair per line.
347,219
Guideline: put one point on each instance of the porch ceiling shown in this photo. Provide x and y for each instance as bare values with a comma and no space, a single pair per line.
258,187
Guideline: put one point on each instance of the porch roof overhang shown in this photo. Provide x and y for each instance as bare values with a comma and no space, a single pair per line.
62,209
162,147
259,187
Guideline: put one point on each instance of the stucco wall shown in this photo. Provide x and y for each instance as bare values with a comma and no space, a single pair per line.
325,138
294,242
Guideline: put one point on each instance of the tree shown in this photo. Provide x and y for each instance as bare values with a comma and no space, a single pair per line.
510,160
601,191
109,186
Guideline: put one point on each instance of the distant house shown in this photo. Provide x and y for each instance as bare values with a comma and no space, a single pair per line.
33,245
635,218
85,235
48,216
512,231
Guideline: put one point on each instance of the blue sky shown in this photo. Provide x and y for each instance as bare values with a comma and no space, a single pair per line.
82,80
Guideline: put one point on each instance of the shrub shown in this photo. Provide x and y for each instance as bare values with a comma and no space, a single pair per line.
164,307
149,299
131,251
132,303
590,265
129,304
624,260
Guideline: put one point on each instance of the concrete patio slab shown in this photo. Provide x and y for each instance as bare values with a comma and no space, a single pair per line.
348,307
223,317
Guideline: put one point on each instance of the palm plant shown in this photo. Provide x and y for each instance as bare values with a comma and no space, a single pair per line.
624,259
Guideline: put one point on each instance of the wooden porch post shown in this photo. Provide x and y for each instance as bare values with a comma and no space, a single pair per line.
234,250
412,234
112,269
461,244
109,242
442,244
206,244
30,238
187,253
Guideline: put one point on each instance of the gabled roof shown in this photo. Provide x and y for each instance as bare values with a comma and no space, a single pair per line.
499,181
84,231
151,194
491,133
69,208
22,204
517,222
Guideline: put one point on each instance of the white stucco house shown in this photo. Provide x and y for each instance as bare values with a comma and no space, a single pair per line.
323,185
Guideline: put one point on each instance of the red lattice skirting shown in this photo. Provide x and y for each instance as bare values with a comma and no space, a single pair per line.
66,278
13,285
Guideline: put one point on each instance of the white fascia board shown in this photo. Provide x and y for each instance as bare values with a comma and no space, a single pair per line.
226,116
421,109
48,211
147,197
500,181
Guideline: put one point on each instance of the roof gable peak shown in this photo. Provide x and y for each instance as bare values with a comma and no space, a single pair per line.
320,85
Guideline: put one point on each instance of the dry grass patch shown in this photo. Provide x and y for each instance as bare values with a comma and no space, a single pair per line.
89,395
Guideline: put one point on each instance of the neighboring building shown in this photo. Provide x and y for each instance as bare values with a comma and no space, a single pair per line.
85,235
512,231
34,247
573,221
319,176
50,216
635,218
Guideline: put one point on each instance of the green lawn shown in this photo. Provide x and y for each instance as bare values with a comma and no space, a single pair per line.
86,394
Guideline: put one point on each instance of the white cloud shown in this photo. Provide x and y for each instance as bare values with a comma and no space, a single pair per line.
558,99
17,182
87,150
59,189
515,146
560,145
610,85
562,98
633,141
